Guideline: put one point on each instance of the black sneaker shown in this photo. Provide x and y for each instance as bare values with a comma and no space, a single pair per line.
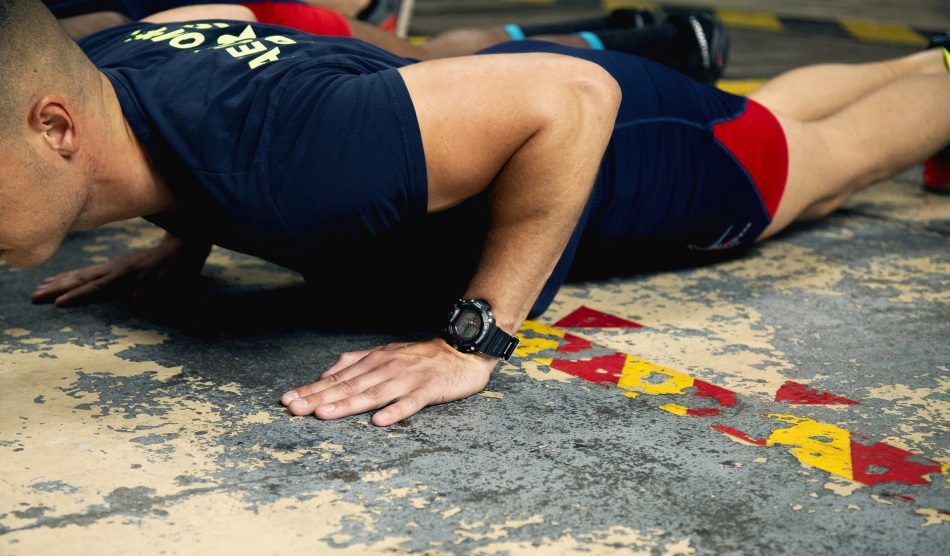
942,41
711,41
636,19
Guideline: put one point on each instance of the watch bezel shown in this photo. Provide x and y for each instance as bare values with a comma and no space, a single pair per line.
451,330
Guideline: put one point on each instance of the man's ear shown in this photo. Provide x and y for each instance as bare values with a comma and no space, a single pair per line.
52,118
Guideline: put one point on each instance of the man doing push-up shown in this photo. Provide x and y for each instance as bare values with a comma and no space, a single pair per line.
468,185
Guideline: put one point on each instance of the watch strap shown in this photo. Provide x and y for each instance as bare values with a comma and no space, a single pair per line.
499,343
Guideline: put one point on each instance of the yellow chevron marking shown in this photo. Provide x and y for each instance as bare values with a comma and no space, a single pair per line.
636,373
611,5
531,345
754,20
883,32
739,86
675,409
817,444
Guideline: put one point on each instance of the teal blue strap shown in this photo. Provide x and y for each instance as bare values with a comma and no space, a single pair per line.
514,32
592,40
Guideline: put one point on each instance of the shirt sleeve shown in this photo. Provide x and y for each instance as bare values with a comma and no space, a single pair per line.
345,159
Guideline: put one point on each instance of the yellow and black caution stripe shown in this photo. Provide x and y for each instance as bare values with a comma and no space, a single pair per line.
859,29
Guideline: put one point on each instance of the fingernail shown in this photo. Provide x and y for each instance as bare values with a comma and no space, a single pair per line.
290,396
298,404
326,408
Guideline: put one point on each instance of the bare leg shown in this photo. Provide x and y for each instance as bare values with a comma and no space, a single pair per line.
883,132
458,42
86,24
815,92
387,41
462,42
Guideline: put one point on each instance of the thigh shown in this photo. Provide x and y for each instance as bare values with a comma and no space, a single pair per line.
817,182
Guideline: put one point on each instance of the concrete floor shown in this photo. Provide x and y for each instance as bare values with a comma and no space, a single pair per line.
792,402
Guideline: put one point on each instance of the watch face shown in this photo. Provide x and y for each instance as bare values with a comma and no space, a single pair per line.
468,324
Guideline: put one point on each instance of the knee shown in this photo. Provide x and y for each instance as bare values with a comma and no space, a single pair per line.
595,87
589,100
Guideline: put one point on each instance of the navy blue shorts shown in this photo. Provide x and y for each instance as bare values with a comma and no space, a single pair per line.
692,174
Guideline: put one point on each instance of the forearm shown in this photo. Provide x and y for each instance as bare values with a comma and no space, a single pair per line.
532,129
538,198
532,218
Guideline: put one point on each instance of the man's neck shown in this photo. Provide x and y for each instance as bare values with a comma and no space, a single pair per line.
126,183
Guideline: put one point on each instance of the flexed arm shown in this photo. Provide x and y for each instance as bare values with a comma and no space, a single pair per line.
133,274
533,129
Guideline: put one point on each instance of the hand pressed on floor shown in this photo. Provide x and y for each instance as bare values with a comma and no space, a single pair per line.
401,378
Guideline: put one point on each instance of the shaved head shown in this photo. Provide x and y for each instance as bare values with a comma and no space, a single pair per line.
37,57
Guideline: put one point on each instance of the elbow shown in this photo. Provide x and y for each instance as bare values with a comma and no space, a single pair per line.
587,99
602,91
592,109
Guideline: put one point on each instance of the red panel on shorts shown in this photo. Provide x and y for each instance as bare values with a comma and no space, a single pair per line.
756,139
312,19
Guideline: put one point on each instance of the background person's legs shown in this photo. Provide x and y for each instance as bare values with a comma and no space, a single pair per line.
79,26
878,120
814,92
695,43
465,40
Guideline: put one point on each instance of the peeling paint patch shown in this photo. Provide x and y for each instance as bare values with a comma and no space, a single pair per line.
236,270
880,462
259,418
933,517
842,486
493,395
820,445
480,530
740,436
585,317
378,476
799,394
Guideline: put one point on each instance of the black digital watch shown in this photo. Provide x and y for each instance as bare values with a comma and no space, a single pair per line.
472,328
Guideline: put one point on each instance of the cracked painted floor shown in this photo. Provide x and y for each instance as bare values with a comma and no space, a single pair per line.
794,401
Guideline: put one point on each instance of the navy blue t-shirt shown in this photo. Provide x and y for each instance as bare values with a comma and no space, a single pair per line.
301,150
305,151
273,142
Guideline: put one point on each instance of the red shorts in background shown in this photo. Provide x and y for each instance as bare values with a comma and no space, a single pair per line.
312,19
